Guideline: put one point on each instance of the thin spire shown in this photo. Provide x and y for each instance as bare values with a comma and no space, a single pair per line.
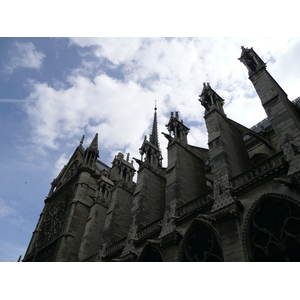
154,134
82,139
92,153
94,143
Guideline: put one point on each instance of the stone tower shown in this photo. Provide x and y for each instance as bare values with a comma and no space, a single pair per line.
282,113
149,195
61,226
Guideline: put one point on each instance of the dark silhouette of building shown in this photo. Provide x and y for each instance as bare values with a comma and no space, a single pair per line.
238,200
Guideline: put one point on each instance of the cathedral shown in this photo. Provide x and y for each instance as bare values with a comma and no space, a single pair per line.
237,201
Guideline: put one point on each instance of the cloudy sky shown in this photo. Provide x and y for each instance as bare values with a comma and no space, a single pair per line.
54,90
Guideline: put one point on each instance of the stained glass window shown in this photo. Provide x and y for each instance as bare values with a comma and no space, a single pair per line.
274,231
200,245
150,254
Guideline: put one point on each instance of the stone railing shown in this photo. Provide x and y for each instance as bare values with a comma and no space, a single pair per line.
149,229
264,123
194,204
257,171
114,247
297,101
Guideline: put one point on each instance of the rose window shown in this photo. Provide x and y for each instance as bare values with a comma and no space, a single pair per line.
274,231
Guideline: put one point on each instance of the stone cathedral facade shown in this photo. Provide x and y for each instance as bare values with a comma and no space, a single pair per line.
238,200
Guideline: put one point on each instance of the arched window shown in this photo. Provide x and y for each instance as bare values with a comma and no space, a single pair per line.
200,245
124,174
150,254
103,189
273,230
258,158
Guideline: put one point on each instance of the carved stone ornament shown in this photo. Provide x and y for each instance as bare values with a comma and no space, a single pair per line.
168,137
129,243
285,181
168,224
209,97
207,218
222,193
291,150
251,60
138,161
100,253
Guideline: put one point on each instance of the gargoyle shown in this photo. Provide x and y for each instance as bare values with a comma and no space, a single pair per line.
170,139
138,161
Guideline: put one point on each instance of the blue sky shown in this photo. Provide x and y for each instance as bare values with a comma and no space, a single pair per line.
54,90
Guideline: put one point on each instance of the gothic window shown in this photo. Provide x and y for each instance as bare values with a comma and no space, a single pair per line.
54,217
250,62
52,222
71,171
103,189
148,155
273,232
201,245
47,254
178,131
258,158
124,174
150,254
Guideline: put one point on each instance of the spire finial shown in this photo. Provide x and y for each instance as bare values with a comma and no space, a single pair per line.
151,147
82,139
154,136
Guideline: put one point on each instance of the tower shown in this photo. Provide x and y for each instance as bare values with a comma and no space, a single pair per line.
185,181
149,195
185,173
59,231
228,155
282,113
118,218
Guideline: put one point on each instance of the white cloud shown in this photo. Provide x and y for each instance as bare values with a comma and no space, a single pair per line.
60,163
285,69
5,210
9,252
171,71
24,55
110,47
115,109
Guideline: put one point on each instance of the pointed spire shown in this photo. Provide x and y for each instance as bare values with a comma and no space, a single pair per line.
151,148
92,152
94,143
154,134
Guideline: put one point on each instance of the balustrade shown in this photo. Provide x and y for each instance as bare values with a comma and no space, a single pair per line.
149,228
194,204
257,171
114,247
